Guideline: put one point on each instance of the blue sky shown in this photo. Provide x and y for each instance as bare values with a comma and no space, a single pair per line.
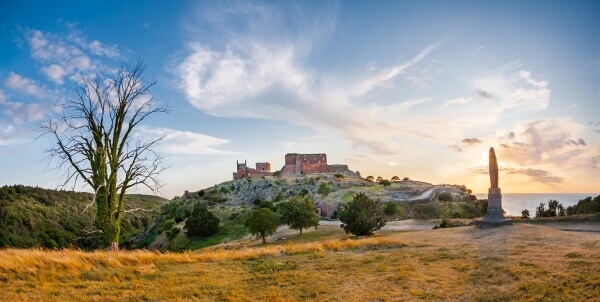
409,88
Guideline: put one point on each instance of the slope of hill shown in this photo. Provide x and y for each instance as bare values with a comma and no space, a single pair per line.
36,217
231,201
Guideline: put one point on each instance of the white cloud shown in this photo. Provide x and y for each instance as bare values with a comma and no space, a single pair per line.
99,49
55,73
259,72
68,54
515,88
185,142
23,84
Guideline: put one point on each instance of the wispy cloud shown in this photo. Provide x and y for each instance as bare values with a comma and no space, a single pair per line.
23,84
250,76
67,54
538,175
471,141
185,142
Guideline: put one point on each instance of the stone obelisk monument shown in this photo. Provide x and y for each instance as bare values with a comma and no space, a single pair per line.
495,216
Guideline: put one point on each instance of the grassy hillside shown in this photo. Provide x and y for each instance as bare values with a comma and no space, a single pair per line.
520,262
36,217
231,201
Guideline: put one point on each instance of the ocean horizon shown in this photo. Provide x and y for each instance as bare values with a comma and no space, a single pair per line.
514,203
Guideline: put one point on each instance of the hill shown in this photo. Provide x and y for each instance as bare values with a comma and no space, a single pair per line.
513,263
36,217
232,200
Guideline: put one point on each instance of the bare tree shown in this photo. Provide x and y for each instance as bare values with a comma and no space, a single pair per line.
95,143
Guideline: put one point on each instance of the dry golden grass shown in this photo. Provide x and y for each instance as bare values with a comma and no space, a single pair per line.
521,262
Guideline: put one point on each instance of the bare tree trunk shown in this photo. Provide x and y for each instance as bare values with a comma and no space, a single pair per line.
300,231
114,246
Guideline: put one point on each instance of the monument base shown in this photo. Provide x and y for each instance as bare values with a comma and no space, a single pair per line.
495,215
482,224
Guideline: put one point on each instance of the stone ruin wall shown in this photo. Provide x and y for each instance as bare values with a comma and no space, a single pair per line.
305,163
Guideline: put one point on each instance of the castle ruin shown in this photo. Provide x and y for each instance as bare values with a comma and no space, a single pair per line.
295,163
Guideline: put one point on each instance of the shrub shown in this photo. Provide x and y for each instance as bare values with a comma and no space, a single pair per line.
362,216
277,173
303,192
445,196
323,189
167,224
385,182
172,232
391,208
339,176
201,193
202,222
267,204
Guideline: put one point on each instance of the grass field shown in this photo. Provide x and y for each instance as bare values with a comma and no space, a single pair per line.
520,262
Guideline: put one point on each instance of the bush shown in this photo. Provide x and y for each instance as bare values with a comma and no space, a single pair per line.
167,224
267,204
362,216
385,182
323,189
303,192
445,196
277,173
391,208
172,232
339,176
202,222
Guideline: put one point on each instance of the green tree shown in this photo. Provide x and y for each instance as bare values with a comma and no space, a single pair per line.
385,182
370,178
540,211
323,189
525,214
379,178
395,178
362,216
202,222
262,222
95,142
299,213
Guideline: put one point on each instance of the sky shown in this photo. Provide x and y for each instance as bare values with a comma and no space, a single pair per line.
418,89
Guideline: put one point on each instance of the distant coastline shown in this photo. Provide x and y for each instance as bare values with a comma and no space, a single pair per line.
514,203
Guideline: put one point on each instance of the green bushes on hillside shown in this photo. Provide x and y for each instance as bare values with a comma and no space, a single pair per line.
36,217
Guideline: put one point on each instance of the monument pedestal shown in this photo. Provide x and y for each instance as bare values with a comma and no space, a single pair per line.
495,216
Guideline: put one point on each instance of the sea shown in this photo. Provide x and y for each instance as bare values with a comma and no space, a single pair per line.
514,203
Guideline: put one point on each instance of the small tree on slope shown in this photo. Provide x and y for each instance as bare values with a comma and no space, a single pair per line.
299,213
362,216
262,222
